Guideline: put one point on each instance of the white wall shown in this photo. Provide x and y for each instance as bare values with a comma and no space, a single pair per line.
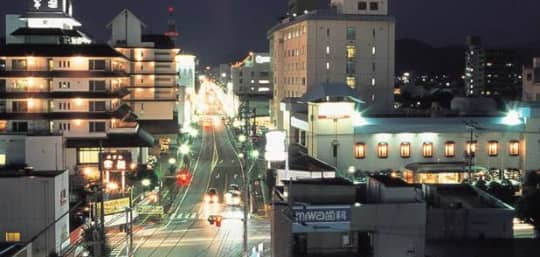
45,152
397,228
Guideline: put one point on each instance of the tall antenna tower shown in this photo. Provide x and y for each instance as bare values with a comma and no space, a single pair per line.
172,32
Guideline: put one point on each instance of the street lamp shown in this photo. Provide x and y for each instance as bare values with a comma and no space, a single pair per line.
146,182
512,118
184,149
193,132
255,154
351,169
242,138
172,161
241,155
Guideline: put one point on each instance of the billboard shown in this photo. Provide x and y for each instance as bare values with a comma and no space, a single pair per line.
48,5
322,215
275,149
115,206
321,219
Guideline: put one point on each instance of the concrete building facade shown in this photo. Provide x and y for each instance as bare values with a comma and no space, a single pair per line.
351,43
531,82
42,201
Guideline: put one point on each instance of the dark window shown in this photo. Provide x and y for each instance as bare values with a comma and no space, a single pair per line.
97,106
2,85
374,6
19,65
96,65
19,126
19,106
97,85
351,33
362,5
351,67
264,74
252,74
97,126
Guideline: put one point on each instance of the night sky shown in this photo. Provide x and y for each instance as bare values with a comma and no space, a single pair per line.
221,31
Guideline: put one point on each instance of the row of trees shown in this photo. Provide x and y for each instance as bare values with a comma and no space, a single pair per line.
528,206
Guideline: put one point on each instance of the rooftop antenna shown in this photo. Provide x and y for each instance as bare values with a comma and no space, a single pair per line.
172,32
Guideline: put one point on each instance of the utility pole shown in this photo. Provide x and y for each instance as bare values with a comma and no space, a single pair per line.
102,202
244,113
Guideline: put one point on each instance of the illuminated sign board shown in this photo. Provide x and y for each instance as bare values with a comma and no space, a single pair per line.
262,59
322,215
115,206
118,161
48,5
275,146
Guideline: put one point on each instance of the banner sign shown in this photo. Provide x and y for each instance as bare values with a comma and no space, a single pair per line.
115,206
322,215
150,210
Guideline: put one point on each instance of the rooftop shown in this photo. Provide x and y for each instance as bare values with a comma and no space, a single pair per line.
462,196
322,181
45,50
330,14
12,172
391,182
300,160
160,41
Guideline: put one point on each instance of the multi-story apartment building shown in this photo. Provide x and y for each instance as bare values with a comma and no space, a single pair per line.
351,43
491,72
531,81
53,82
152,74
73,90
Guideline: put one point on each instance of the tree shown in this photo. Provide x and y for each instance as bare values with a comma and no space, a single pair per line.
528,209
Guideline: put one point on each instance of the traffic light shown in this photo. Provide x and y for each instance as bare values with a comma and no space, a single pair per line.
183,178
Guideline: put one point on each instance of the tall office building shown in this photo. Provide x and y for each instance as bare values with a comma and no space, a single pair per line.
351,43
153,76
251,77
491,72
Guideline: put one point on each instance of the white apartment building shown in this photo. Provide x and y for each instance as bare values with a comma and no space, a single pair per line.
185,66
71,90
531,82
352,43
152,73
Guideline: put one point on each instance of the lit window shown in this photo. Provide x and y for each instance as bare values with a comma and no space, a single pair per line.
328,65
374,6
493,148
2,159
360,151
471,147
373,82
450,149
427,150
373,50
351,81
13,237
88,155
405,150
513,148
351,52
382,150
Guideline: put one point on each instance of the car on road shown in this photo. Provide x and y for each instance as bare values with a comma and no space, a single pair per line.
234,187
233,198
211,196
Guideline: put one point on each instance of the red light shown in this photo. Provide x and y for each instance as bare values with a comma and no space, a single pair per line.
171,9
183,178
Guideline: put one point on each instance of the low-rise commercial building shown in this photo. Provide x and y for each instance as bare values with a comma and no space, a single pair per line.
338,133
39,213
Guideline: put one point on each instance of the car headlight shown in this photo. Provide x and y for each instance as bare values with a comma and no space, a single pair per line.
207,198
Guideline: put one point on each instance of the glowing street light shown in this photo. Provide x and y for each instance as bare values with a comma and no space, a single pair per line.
351,169
172,161
237,123
184,149
146,182
193,132
242,138
255,154
512,118
241,155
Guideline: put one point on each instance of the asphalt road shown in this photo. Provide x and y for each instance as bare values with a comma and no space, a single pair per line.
187,233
